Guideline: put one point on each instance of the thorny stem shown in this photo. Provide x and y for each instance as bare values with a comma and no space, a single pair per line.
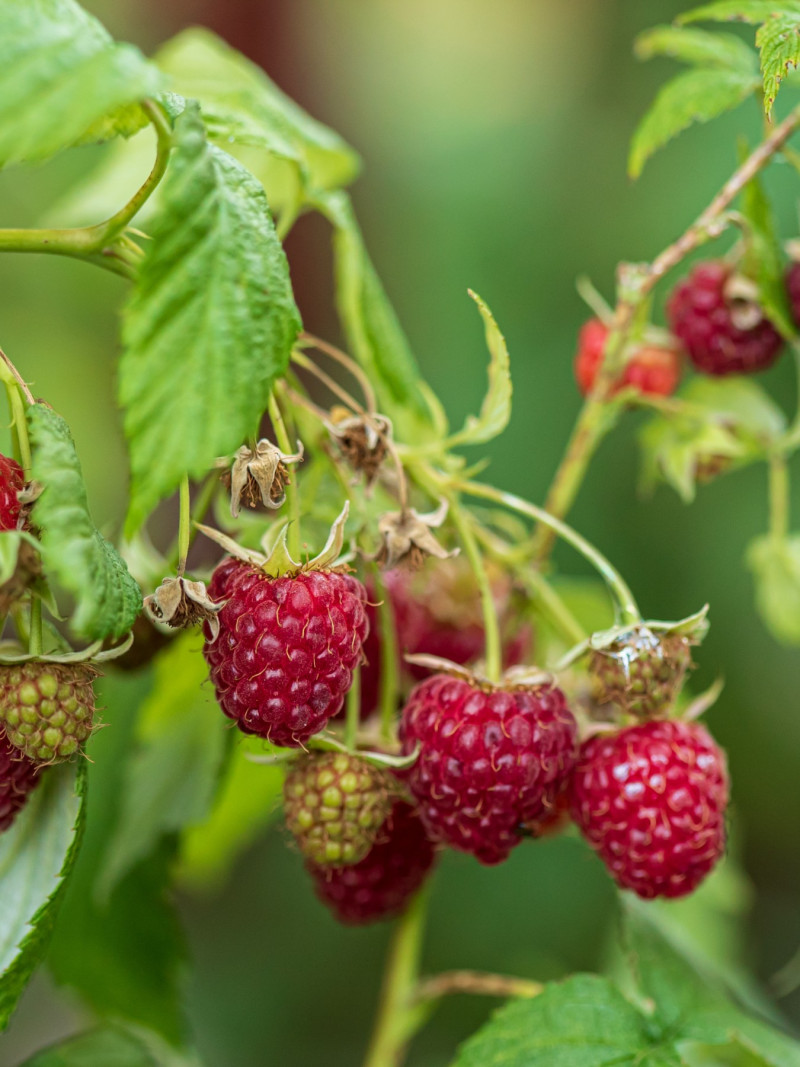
593,425
292,496
493,654
184,524
389,672
398,1017
478,983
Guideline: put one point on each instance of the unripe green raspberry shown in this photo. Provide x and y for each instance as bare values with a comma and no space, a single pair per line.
47,709
335,805
641,672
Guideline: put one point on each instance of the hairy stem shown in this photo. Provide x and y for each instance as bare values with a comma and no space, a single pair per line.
292,496
479,983
398,1017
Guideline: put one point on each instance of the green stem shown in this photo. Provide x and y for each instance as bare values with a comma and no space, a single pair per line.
390,668
398,1017
184,525
353,718
292,496
16,404
624,599
491,626
201,505
35,635
553,607
778,497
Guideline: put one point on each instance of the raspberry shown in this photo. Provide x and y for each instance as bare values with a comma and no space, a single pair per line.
490,762
380,885
47,709
335,805
651,800
286,650
651,369
640,672
12,480
722,334
18,776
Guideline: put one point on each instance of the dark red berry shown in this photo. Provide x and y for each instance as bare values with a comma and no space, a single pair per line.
18,776
651,800
651,369
380,885
491,762
12,480
286,650
722,332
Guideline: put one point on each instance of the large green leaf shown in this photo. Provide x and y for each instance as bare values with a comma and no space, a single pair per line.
64,81
170,780
210,324
775,563
242,107
697,95
36,857
113,1045
107,599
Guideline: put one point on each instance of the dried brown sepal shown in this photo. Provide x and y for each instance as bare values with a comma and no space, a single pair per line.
180,603
259,478
406,538
361,439
27,569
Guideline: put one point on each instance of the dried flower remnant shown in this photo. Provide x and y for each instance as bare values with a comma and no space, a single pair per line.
406,538
260,476
180,603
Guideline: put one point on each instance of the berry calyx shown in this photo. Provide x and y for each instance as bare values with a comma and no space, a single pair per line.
18,776
12,480
287,648
640,672
380,885
651,801
491,761
47,709
721,325
652,369
335,805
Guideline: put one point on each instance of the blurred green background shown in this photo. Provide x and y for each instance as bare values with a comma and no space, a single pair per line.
494,138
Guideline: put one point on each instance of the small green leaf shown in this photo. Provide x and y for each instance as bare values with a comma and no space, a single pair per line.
582,1022
241,106
112,1045
171,777
63,81
36,857
247,802
695,96
762,260
372,329
775,563
107,599
210,324
698,48
778,41
496,408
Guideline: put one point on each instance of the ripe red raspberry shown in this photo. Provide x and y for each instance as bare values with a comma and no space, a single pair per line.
651,369
18,776
651,800
380,885
286,650
723,334
12,480
641,672
47,709
335,806
490,763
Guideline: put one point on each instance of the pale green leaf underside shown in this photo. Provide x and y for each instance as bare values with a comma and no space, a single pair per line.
210,324
242,105
697,95
496,408
107,599
63,81
775,563
36,857
697,47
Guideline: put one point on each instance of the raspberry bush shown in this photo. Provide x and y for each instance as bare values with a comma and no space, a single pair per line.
318,610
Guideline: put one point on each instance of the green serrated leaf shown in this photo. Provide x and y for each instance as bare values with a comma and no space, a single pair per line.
697,47
247,802
170,780
107,599
36,858
582,1022
752,11
775,563
372,329
112,1045
210,324
695,96
496,408
778,42
63,81
241,106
